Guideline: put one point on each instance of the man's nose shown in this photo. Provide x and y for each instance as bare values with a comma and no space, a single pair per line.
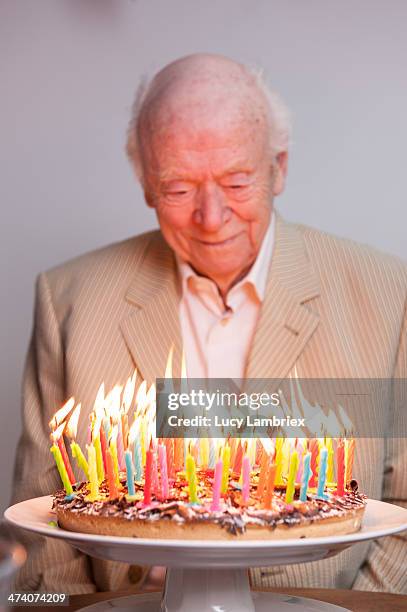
212,210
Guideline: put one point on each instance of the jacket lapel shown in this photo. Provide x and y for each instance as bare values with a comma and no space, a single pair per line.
154,327
287,320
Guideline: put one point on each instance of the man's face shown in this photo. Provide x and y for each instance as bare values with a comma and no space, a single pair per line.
212,183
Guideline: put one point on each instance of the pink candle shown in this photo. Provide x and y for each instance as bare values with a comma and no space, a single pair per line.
103,445
217,485
340,468
246,479
314,450
237,466
120,446
162,459
148,477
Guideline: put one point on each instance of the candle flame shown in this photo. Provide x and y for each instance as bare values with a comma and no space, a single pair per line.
61,414
134,431
100,398
112,403
57,433
168,367
72,424
141,397
128,392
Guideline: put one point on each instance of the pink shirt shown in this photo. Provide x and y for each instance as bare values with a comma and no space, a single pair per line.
217,341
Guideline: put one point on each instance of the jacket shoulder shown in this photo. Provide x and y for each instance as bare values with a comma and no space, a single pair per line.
343,257
114,263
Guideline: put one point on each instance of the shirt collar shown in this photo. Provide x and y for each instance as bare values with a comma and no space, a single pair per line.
257,275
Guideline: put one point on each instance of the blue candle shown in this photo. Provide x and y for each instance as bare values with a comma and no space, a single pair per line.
137,459
129,473
306,476
323,458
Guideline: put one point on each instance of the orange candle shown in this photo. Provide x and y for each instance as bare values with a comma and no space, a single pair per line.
111,476
264,468
271,479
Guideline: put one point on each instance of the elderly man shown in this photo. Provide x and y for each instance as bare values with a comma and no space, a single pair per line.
244,292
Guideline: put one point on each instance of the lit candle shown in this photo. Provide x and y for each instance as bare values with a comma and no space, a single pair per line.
314,450
212,453
349,456
204,452
113,451
323,459
65,458
285,458
71,430
191,477
103,445
263,474
169,448
148,476
129,473
217,484
162,459
340,458
143,441
93,474
61,469
306,476
271,479
137,459
80,458
226,464
289,494
99,457
246,479
330,474
120,446
237,467
279,459
111,476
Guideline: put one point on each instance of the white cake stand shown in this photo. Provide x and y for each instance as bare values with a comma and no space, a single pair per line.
210,575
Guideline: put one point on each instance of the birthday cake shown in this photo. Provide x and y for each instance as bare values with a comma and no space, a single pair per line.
138,485
177,518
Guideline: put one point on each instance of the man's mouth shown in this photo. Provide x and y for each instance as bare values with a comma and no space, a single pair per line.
218,243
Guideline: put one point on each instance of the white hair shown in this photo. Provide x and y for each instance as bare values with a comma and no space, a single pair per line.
278,119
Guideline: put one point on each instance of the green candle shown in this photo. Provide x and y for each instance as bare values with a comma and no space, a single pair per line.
80,458
61,469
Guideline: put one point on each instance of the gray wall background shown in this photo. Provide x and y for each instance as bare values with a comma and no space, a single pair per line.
69,69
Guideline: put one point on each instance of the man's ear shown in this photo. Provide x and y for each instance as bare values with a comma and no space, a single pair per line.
280,172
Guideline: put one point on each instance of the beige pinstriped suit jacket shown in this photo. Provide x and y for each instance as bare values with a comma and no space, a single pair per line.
332,307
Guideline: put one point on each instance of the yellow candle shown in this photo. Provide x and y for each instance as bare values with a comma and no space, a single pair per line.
330,474
61,469
191,477
226,465
143,442
204,452
93,473
113,450
99,459
279,460
80,458
289,494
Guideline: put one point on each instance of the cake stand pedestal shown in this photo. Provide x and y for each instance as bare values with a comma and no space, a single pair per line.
210,575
